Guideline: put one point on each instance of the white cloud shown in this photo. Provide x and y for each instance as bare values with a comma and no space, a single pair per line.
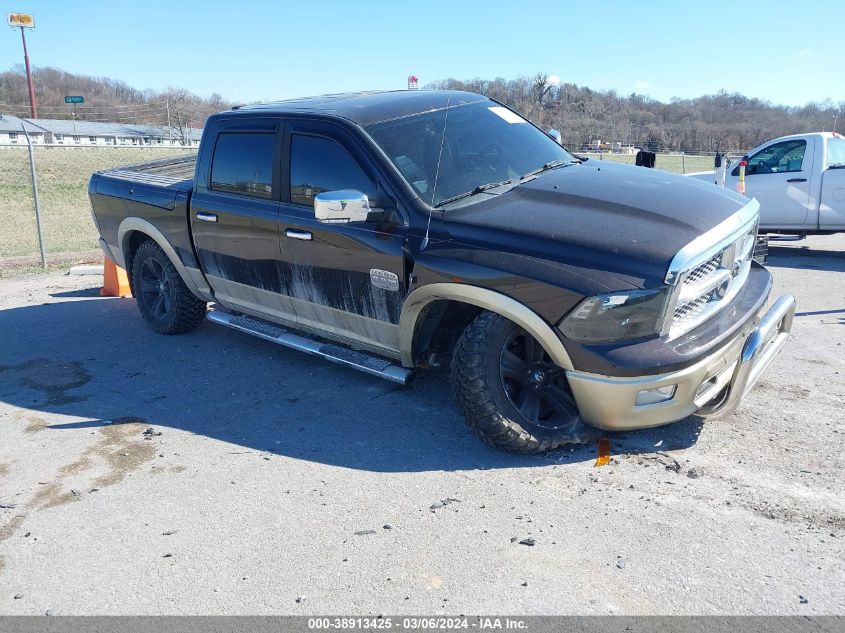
554,80
641,85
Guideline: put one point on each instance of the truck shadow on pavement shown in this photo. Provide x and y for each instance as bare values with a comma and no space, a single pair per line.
94,359
804,257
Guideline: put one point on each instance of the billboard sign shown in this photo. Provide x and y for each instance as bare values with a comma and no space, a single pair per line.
22,20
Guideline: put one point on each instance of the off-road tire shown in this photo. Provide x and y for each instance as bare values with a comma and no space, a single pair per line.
480,393
184,310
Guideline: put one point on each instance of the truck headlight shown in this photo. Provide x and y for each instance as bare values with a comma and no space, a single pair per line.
616,316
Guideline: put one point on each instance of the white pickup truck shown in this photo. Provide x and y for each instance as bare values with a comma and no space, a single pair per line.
798,180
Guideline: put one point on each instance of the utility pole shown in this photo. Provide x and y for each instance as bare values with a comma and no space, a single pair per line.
35,197
834,122
169,128
25,21
33,106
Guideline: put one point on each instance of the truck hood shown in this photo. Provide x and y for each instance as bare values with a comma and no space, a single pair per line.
702,175
599,216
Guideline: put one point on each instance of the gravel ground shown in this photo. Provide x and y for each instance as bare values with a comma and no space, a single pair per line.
271,482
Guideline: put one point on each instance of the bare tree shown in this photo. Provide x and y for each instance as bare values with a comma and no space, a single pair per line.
183,108
727,121
541,86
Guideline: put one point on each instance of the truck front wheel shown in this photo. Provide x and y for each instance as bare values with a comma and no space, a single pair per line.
510,391
164,300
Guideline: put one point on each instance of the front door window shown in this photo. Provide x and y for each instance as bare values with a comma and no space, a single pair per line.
779,158
320,164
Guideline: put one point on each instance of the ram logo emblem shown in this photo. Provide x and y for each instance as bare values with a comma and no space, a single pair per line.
384,279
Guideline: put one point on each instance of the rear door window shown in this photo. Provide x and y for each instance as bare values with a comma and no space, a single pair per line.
836,153
243,164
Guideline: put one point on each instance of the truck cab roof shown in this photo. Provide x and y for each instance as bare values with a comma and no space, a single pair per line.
364,108
827,135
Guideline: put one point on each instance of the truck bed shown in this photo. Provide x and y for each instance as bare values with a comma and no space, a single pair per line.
156,182
156,192
167,172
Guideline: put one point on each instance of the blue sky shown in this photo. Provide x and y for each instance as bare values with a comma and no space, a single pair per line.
786,52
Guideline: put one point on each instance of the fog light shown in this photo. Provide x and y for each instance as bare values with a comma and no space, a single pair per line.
705,386
653,396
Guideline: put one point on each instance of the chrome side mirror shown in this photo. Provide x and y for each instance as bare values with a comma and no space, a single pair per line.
556,135
345,205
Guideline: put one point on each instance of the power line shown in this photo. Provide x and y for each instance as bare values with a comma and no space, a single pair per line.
156,104
82,116
99,115
103,109
92,110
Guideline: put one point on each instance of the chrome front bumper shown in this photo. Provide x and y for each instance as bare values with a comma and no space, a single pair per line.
759,351
714,386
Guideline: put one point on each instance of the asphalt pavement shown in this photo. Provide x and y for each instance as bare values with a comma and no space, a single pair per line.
215,473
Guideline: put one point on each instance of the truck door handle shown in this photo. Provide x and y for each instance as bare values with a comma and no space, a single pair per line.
797,180
298,235
207,217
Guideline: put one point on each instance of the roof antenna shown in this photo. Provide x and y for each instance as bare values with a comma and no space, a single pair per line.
436,174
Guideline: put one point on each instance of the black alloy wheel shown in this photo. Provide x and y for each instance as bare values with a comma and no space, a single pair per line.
156,289
165,302
534,385
510,391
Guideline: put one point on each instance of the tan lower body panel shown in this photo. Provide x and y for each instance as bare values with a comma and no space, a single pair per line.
483,298
192,277
609,402
358,331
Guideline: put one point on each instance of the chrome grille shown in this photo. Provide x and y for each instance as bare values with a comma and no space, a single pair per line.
705,270
691,309
709,286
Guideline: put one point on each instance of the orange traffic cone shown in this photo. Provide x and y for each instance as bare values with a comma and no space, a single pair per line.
115,281
740,185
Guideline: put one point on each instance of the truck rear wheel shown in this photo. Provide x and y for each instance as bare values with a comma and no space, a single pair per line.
164,300
509,390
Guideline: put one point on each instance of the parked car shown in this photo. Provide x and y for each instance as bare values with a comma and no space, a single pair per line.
385,231
799,182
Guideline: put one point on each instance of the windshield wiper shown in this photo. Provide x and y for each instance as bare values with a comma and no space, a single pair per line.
550,165
477,190
836,166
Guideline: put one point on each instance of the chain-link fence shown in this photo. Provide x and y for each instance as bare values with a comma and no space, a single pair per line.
677,163
62,175
18,230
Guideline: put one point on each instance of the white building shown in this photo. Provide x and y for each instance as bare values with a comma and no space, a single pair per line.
630,150
58,132
11,131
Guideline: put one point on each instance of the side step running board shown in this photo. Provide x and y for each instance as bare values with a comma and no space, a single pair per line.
362,361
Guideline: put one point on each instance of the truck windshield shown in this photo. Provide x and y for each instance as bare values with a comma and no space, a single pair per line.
485,147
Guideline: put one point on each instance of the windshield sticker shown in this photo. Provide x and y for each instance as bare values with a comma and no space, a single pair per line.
507,115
